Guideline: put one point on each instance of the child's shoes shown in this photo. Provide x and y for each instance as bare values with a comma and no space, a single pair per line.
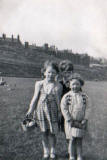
46,157
46,154
52,154
72,158
79,158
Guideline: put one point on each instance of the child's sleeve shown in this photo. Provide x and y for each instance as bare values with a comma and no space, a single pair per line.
65,108
88,107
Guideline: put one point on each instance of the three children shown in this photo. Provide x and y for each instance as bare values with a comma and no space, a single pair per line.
46,101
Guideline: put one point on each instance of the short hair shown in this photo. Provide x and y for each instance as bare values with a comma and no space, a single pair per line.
52,64
78,77
66,65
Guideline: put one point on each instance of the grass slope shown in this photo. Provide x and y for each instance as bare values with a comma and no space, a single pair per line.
21,62
16,145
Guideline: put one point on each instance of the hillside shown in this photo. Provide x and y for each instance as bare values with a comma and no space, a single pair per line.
20,62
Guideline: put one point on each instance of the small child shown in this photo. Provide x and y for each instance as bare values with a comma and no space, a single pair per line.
46,100
73,107
66,69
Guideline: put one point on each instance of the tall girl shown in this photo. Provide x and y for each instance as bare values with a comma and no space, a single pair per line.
46,101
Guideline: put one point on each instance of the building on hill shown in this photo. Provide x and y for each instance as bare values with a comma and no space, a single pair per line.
76,58
10,40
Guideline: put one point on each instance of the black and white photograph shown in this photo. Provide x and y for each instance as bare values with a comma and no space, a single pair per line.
53,80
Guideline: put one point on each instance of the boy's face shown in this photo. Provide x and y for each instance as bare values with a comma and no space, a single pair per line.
75,85
65,77
66,74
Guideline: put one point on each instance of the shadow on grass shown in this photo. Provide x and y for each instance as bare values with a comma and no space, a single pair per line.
66,157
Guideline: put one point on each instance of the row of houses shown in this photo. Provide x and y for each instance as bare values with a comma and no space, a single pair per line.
76,58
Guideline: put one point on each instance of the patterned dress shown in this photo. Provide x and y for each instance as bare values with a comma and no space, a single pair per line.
47,110
75,110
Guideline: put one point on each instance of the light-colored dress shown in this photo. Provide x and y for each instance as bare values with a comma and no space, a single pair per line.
47,109
74,110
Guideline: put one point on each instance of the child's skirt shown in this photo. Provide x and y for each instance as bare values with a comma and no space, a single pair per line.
51,127
73,132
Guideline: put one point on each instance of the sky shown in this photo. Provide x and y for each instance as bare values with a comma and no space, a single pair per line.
80,25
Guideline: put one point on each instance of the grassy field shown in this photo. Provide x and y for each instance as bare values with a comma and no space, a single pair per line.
17,145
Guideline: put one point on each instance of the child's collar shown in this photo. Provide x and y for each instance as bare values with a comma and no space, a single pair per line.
79,92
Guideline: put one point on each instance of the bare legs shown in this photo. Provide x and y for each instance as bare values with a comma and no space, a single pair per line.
71,148
75,147
52,145
45,141
48,139
79,149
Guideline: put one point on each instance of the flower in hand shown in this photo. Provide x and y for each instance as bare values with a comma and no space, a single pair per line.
84,124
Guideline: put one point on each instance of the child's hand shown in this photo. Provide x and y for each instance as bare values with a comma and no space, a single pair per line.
28,114
68,100
83,121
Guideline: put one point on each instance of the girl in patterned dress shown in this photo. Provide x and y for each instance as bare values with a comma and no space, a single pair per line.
73,107
46,100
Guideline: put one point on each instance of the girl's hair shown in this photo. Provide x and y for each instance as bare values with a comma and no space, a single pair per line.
78,77
52,64
66,65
